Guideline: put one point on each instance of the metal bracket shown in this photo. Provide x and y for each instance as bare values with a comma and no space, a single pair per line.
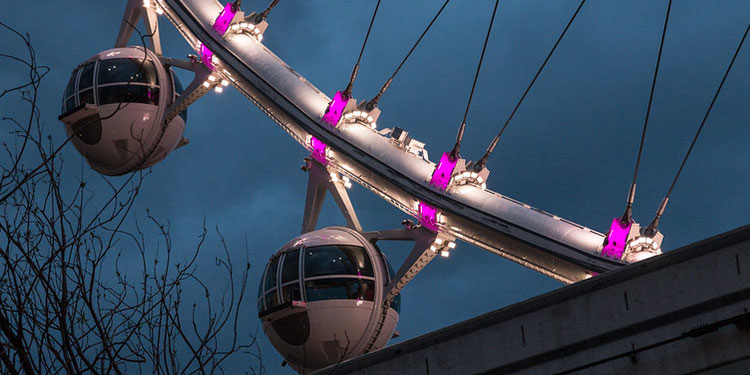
200,85
426,246
322,179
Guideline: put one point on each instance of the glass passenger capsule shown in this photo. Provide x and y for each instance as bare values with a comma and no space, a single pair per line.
321,297
114,108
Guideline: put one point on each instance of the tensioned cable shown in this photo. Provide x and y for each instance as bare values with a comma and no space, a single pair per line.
480,164
348,91
457,147
374,102
653,227
263,15
627,216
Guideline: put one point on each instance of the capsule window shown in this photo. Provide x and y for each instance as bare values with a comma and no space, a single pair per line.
127,71
291,292
128,94
270,281
69,100
340,288
86,96
290,269
70,103
272,299
71,88
337,260
87,77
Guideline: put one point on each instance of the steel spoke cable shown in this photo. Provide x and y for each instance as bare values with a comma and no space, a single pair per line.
481,163
348,91
264,14
653,227
455,153
374,102
628,215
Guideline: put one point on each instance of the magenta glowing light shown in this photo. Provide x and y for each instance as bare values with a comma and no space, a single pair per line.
428,216
335,109
616,239
224,19
207,57
318,150
443,172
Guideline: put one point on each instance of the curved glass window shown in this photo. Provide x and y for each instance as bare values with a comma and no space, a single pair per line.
69,100
269,285
340,288
86,96
70,89
87,77
291,292
127,70
128,94
337,260
272,299
270,279
70,104
290,268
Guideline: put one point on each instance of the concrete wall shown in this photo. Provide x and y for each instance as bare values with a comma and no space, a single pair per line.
685,311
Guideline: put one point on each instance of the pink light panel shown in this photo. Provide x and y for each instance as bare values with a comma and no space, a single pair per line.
443,172
335,109
428,216
207,57
616,239
224,19
318,150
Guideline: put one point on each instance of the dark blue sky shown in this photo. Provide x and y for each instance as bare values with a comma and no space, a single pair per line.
570,149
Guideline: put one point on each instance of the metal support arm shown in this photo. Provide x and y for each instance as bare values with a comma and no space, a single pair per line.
133,10
318,182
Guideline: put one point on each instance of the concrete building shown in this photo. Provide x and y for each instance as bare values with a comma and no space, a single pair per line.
687,311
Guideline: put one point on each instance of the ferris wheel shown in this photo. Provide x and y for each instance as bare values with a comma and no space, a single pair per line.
126,110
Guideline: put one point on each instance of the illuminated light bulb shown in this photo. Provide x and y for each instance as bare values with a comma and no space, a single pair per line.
159,11
445,253
206,84
346,179
369,119
438,241
474,175
146,3
465,174
433,248
479,179
347,185
224,82
484,186
219,89
235,27
451,245
374,125
211,78
243,25
260,37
